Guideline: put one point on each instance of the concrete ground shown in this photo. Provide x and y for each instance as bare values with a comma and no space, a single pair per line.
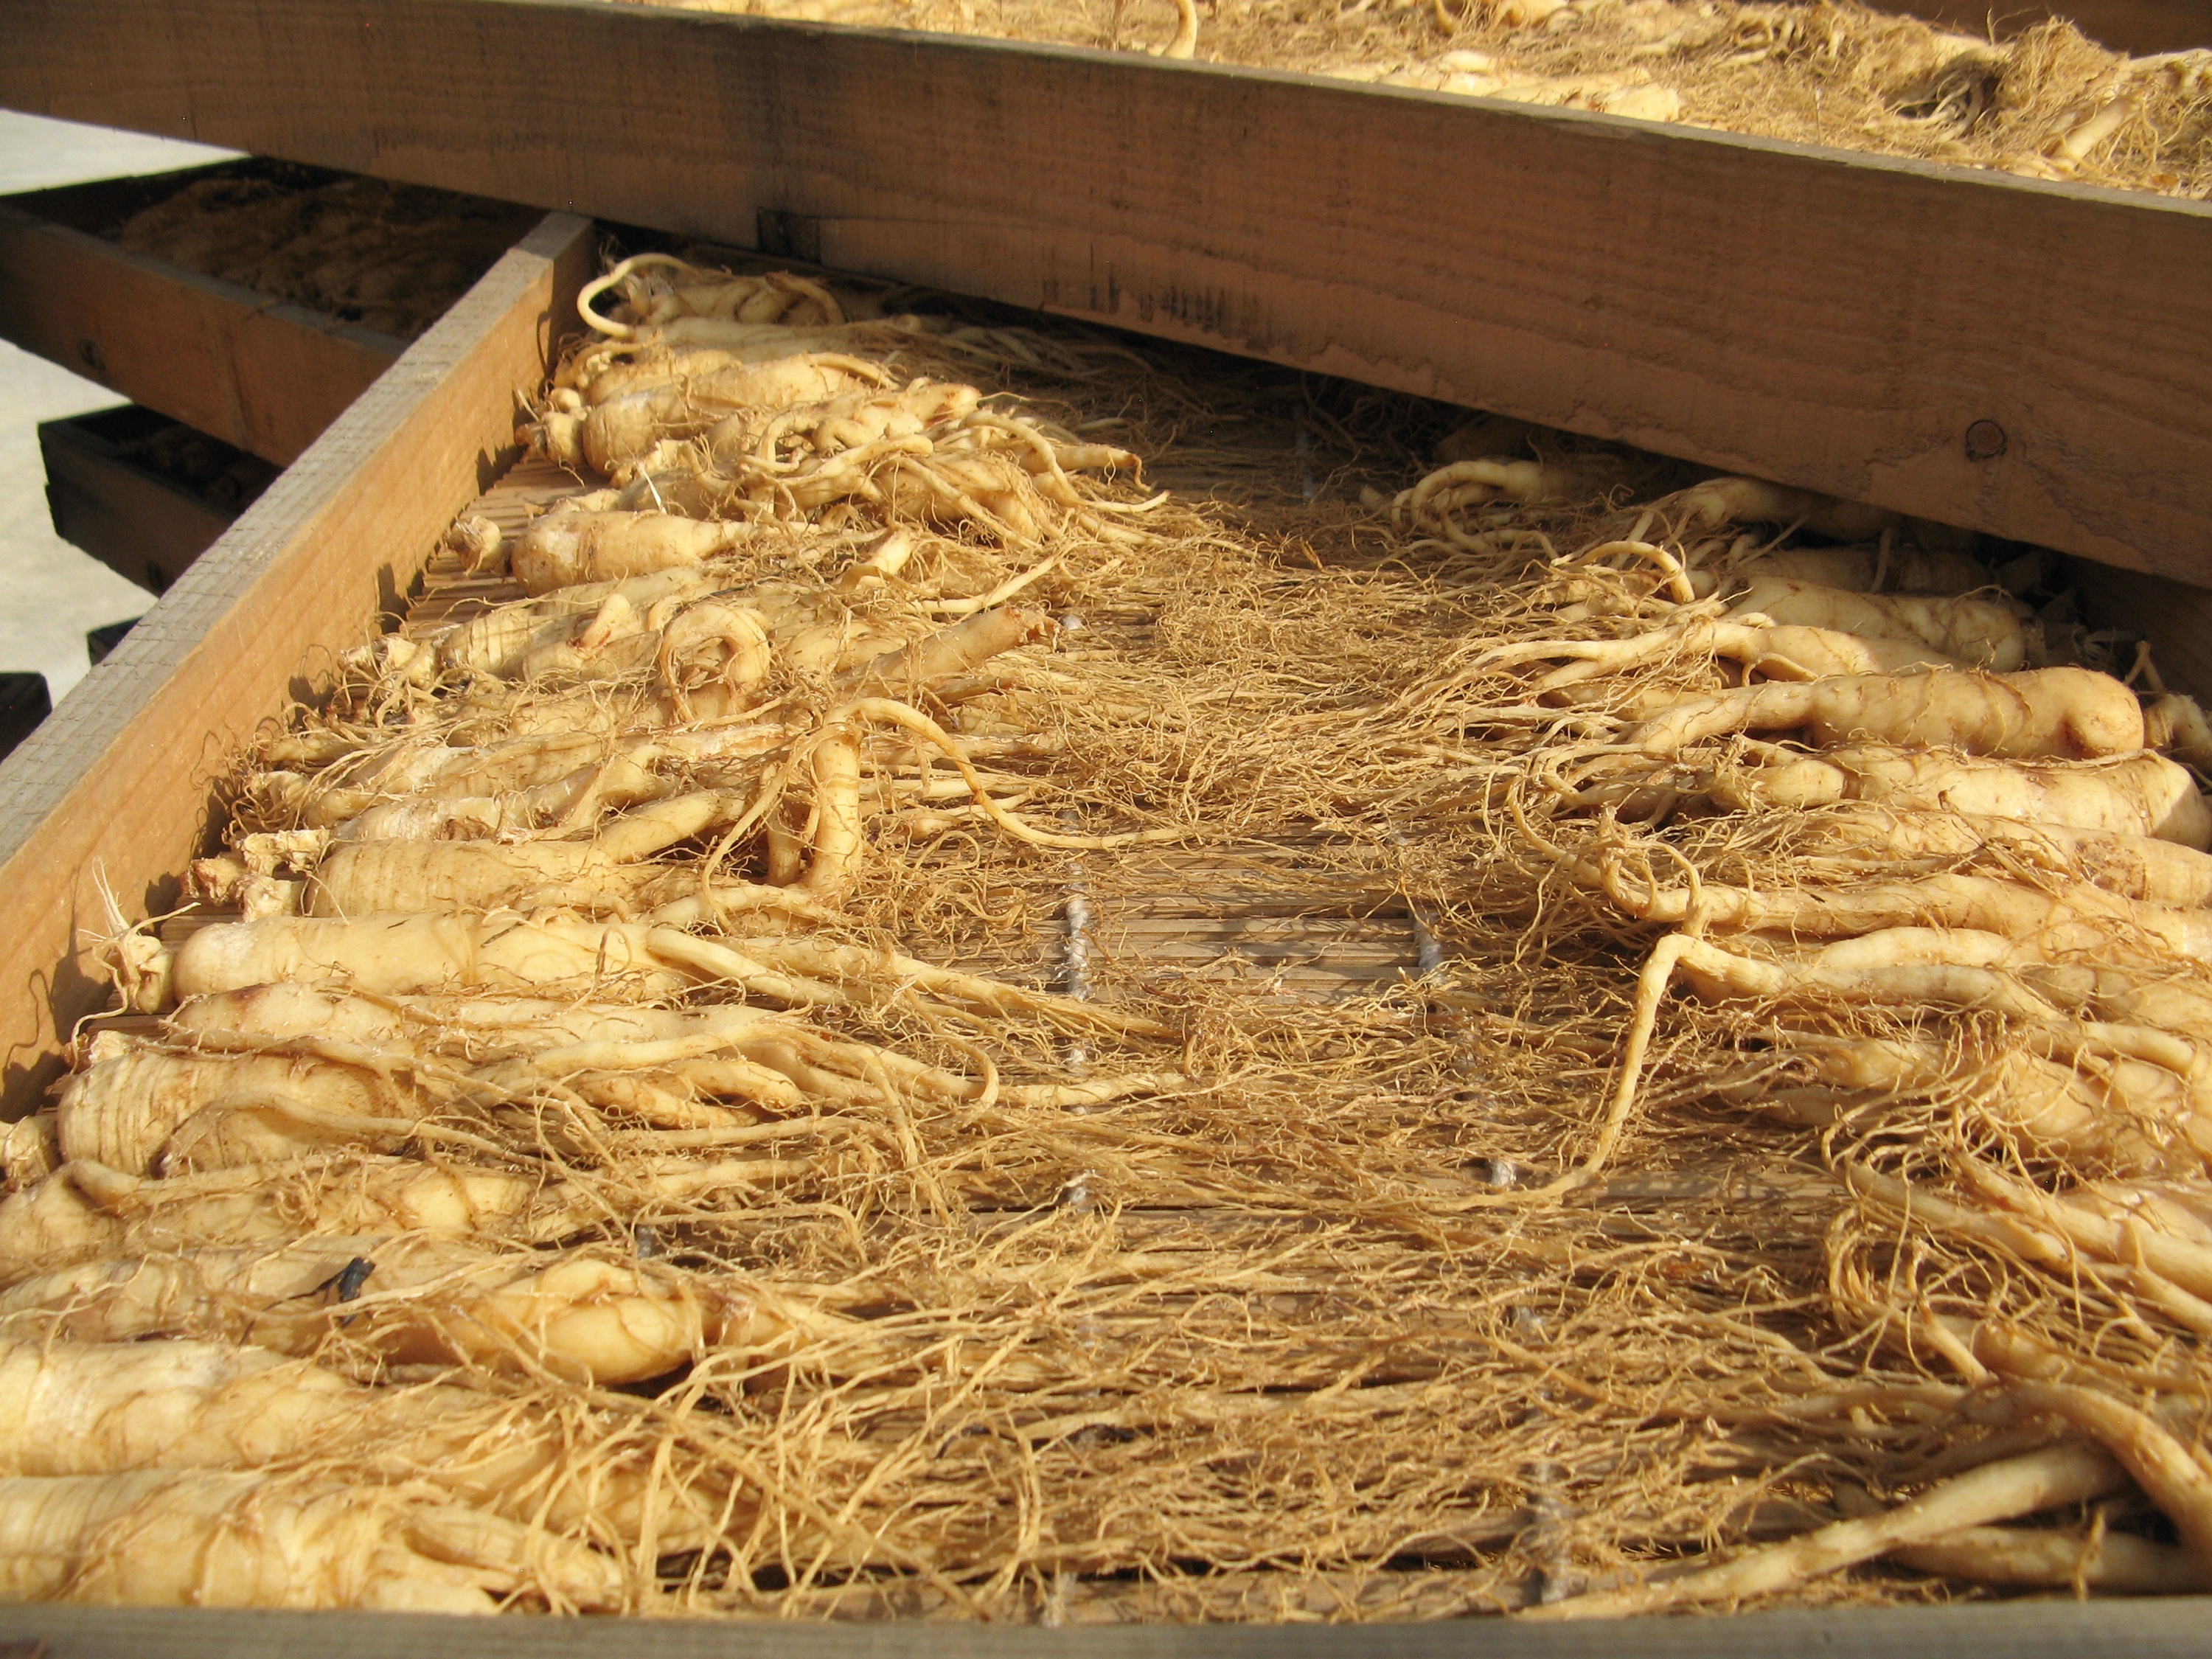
50,592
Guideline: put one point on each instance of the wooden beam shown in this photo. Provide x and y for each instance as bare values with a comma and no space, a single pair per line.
2140,27
260,374
113,792
1837,321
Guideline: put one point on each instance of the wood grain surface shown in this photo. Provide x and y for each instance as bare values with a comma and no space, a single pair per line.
113,791
2152,1628
260,374
1835,320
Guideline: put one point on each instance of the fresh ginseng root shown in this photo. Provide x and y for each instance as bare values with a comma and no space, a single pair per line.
2026,1484
1776,652
2140,867
1909,571
394,877
2140,794
163,1538
131,1098
108,1408
85,1210
2063,713
1990,633
413,1300
568,550
2075,918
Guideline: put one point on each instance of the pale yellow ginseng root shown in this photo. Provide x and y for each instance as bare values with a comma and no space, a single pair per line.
1777,653
1730,500
389,876
1981,633
2154,1227
928,664
2053,1109
495,642
85,1210
660,1063
616,435
583,718
2076,917
1909,570
1977,971
402,955
837,840
2175,724
2031,1558
420,1300
106,1408
2170,1474
769,444
30,1147
2139,794
2064,713
2013,1486
163,1538
1428,504
2138,1115
628,771
2140,867
568,550
132,1095
660,289
103,1408
427,766
2122,1115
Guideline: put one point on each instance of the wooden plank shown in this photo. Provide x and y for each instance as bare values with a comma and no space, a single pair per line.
2164,1627
2140,27
146,528
263,374
1837,321
113,791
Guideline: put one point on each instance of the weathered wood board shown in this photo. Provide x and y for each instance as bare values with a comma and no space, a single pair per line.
1835,320
2164,1627
108,793
263,374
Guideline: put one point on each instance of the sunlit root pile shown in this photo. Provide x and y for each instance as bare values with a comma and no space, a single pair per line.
696,1082
391,257
2049,103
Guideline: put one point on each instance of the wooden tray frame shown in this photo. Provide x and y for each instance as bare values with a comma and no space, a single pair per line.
1833,320
94,801
264,375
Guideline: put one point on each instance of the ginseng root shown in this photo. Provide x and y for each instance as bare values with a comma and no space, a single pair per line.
2078,917
86,1210
1996,1491
1982,633
2161,872
2064,713
2137,795
108,1408
159,1538
414,1300
566,549
1777,652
